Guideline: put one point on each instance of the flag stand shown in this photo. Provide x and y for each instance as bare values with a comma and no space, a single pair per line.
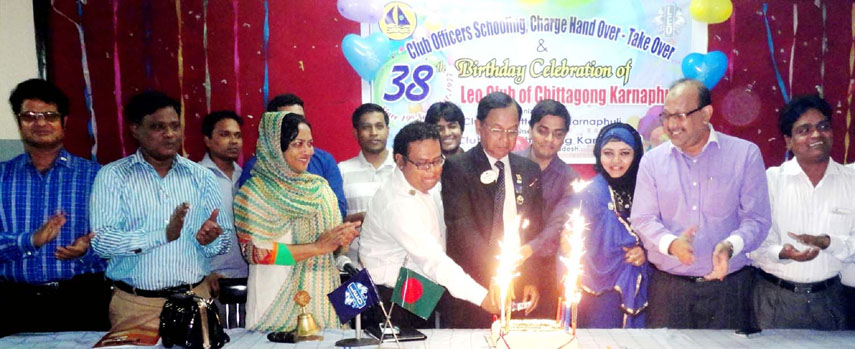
358,341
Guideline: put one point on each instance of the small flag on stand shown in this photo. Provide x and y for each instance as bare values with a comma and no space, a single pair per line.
416,293
354,296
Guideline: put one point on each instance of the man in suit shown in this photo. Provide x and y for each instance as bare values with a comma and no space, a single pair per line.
483,191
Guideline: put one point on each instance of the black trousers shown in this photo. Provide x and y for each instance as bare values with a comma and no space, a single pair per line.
776,307
78,304
849,295
678,302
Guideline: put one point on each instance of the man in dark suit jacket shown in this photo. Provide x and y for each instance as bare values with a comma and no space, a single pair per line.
470,182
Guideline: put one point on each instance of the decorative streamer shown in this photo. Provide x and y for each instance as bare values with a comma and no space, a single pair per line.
822,54
237,57
180,69
117,79
851,90
266,51
87,81
147,39
772,54
731,56
793,47
205,49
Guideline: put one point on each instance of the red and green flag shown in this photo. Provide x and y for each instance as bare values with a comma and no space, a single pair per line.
416,293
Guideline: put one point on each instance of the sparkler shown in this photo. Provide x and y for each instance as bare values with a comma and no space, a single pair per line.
573,232
509,259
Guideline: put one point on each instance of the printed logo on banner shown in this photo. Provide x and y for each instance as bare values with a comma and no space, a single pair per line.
399,21
356,295
670,20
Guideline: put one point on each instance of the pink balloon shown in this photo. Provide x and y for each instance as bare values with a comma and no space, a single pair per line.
650,121
363,11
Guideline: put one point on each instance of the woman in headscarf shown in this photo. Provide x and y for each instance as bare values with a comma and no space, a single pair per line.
615,268
288,225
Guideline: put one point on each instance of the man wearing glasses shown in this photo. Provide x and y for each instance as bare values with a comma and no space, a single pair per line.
50,280
404,225
701,205
484,190
813,223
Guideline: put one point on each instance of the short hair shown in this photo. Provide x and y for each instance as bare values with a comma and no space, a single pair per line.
146,103
42,90
445,110
413,132
211,120
283,101
704,98
549,107
798,106
290,128
496,100
365,109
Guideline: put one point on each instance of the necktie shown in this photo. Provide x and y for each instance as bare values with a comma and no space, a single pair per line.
499,203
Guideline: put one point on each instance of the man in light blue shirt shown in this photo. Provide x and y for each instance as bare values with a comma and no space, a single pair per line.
156,217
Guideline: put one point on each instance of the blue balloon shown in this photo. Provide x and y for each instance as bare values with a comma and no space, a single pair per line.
366,55
708,68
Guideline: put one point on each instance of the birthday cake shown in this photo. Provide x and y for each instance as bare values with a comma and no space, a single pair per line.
532,333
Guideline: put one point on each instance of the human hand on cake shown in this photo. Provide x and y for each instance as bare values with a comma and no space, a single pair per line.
492,300
530,294
634,255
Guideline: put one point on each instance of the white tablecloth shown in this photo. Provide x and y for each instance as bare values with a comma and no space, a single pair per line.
614,338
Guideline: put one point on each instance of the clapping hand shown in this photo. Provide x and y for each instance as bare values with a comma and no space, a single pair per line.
176,222
76,249
790,252
341,235
821,242
720,259
210,229
682,246
49,230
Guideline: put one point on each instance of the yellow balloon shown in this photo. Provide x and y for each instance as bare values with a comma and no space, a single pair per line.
711,11
633,121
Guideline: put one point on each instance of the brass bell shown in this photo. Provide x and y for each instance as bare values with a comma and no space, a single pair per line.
306,325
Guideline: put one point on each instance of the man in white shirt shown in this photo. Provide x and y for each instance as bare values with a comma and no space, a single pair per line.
847,277
813,226
404,225
224,141
367,171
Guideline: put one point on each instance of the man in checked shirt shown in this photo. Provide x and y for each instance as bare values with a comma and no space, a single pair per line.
50,280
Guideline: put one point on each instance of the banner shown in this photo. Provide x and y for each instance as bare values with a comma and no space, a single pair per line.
606,61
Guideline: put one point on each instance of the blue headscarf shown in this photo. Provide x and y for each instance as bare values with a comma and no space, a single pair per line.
624,133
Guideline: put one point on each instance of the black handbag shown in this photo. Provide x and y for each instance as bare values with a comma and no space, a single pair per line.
190,321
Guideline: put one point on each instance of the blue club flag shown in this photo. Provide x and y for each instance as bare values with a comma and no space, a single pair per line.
354,296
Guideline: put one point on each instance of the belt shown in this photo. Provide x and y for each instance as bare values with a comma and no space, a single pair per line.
798,287
163,293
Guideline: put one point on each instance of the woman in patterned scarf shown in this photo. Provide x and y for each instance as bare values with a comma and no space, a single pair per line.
615,268
288,225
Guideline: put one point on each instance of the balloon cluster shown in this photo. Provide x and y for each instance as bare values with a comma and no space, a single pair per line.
365,54
708,68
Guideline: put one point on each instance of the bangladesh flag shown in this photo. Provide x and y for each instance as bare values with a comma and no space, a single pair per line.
416,293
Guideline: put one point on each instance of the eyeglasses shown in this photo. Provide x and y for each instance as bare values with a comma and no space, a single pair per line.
665,117
33,116
427,165
498,132
807,129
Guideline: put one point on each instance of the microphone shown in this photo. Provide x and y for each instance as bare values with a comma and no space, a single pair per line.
344,264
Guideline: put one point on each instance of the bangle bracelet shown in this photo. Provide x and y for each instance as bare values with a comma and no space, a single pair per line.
283,255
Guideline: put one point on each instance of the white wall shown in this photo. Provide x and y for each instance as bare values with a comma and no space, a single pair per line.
17,63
